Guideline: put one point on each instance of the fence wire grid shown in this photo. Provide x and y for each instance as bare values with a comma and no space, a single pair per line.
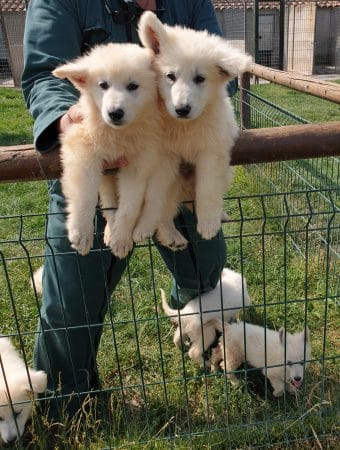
154,395
314,174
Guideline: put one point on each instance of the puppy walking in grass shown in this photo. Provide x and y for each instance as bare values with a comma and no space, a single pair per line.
201,317
282,356
118,103
193,68
18,386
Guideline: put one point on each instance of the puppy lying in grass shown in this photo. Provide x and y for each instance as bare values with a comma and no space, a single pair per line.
285,355
201,317
18,386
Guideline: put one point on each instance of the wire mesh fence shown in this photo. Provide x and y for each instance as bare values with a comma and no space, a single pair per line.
152,395
287,176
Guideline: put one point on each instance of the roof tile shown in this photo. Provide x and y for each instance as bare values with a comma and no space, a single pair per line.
12,5
241,4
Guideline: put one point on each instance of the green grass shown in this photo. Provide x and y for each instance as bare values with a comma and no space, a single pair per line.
191,401
182,406
303,105
16,127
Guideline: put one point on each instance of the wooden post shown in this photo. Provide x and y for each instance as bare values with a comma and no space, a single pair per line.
245,115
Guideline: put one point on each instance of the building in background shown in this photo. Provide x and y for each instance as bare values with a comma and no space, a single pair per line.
310,43
12,23
311,32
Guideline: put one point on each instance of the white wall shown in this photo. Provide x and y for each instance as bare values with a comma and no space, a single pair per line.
299,38
13,32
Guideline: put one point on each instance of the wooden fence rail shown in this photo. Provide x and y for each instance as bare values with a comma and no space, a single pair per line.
23,162
303,83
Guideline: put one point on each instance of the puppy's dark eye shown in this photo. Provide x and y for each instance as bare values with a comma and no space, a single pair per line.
199,79
132,86
171,76
1,419
104,85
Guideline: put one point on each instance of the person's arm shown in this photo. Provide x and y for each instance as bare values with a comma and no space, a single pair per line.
204,18
52,36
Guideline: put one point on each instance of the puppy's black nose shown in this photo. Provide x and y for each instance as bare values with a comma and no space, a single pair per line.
297,378
183,111
11,439
116,115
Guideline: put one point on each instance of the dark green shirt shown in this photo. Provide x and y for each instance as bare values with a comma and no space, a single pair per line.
57,31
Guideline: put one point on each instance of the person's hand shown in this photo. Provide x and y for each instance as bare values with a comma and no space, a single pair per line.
74,115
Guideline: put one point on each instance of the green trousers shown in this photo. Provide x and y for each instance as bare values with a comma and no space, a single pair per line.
76,290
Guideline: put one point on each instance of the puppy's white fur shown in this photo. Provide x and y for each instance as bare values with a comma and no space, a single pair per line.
200,317
18,387
246,342
37,277
193,68
118,102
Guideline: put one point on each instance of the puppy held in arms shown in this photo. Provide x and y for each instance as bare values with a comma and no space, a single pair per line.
118,101
193,68
285,355
18,387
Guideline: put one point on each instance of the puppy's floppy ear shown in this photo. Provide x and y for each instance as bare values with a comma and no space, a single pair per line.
38,381
282,333
231,62
73,71
151,32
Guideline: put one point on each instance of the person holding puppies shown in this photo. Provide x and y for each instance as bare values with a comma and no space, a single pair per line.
76,288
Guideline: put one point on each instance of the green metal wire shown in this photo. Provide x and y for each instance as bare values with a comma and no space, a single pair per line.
195,404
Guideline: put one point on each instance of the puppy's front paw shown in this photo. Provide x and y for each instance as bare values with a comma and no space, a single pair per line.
119,243
107,235
208,228
278,386
171,238
143,231
278,392
195,353
81,239
121,247
232,378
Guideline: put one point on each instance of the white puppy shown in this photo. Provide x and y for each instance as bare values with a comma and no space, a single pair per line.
201,317
193,68
120,118
37,276
246,342
18,386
